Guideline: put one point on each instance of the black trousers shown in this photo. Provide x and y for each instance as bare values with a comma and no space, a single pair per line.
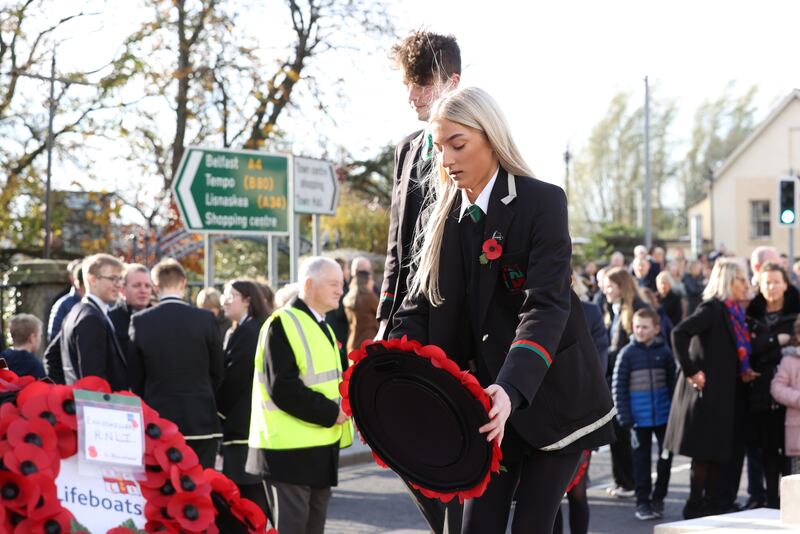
539,478
642,452
622,458
441,518
206,450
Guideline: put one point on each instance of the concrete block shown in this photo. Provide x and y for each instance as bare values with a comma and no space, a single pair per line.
790,500
759,520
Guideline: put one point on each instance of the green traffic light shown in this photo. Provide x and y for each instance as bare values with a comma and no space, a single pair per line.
787,217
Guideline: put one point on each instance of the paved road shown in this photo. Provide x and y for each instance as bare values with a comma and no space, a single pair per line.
371,500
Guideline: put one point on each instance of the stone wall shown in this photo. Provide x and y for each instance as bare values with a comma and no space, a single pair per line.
31,287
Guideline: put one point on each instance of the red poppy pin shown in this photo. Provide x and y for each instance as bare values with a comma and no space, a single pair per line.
492,249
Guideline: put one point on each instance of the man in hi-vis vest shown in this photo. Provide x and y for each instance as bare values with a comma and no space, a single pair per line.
296,424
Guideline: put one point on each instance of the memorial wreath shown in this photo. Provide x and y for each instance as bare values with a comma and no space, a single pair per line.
38,428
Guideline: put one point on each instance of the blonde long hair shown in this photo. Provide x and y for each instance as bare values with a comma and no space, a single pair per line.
721,279
627,294
475,108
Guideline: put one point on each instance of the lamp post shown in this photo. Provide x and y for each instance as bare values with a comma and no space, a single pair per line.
52,79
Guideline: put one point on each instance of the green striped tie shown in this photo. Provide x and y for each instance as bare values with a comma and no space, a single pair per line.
427,151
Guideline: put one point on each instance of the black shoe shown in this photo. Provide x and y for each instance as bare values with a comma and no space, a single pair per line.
753,503
694,509
658,508
644,512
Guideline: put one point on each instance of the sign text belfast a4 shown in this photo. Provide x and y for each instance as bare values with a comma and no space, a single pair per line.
233,191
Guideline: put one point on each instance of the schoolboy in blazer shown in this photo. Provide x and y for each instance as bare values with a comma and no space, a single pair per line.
175,361
89,346
431,64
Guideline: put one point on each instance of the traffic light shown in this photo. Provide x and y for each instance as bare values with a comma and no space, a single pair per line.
787,205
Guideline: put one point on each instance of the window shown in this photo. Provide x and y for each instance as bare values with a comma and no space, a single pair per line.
759,219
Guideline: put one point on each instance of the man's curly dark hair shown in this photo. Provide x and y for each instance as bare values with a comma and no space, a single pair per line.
425,55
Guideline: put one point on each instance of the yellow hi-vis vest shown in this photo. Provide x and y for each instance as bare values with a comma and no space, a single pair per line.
320,370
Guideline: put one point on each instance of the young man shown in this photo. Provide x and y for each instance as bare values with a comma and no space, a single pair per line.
644,379
26,335
296,434
136,292
176,361
431,65
89,346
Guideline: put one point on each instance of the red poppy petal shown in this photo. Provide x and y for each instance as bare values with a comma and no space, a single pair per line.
35,389
92,383
37,432
250,514
221,485
192,512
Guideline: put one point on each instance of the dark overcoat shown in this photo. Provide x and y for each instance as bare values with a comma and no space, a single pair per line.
531,332
706,426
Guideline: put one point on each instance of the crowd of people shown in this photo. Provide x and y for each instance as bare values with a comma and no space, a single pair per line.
702,355
194,364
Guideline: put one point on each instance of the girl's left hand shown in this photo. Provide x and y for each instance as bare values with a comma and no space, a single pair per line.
498,415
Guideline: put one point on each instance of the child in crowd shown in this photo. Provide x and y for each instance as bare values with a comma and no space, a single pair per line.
643,381
785,389
26,335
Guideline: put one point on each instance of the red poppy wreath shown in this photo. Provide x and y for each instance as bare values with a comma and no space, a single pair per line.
38,428
395,390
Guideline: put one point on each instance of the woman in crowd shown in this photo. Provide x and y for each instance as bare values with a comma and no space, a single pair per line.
771,315
243,303
694,283
709,408
361,308
669,299
496,296
622,301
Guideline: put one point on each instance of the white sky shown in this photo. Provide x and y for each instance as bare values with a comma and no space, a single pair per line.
552,65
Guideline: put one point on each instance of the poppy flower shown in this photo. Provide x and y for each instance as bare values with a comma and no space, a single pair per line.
61,401
67,441
190,480
17,491
492,249
36,432
48,504
92,383
54,524
157,431
192,512
37,407
155,478
221,485
29,459
158,526
161,495
175,452
156,512
250,514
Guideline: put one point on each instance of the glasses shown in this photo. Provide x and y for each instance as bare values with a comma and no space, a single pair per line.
116,280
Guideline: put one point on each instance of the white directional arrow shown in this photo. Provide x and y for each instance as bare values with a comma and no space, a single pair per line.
185,189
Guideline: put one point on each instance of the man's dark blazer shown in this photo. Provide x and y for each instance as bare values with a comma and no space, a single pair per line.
89,346
236,391
120,316
531,333
175,364
407,202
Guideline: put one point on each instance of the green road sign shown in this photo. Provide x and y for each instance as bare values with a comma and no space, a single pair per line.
233,191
